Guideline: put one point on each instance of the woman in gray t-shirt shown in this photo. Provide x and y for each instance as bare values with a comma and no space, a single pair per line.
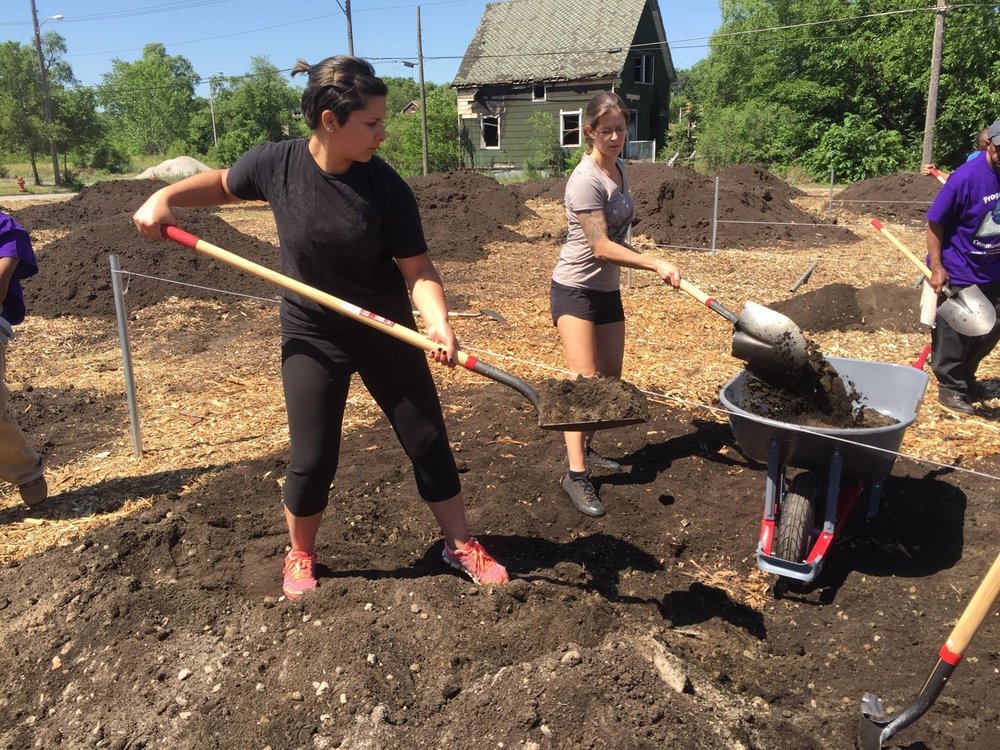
585,298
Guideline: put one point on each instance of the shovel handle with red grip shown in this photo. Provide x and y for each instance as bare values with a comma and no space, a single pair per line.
940,177
918,262
359,314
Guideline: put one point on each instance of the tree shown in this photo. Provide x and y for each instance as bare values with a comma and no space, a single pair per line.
22,123
150,100
402,91
806,77
256,107
403,149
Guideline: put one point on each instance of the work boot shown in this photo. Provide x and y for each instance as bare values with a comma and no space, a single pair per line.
597,461
955,402
979,391
584,495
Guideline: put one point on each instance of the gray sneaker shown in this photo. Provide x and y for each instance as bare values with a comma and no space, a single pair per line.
34,492
597,461
584,495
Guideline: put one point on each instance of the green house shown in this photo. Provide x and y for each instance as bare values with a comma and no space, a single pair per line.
552,56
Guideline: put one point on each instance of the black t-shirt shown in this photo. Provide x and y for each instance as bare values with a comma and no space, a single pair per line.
338,233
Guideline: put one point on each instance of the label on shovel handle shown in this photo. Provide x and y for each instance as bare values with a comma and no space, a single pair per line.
370,315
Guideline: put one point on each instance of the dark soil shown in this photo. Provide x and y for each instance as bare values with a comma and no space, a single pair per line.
99,201
462,212
674,207
902,197
842,307
596,400
165,629
756,177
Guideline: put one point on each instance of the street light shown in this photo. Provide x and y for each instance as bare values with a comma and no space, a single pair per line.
45,87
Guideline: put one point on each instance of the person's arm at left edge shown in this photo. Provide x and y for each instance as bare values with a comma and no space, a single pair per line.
428,296
7,266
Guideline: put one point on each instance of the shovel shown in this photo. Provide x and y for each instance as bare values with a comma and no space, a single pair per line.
387,326
764,338
968,310
875,728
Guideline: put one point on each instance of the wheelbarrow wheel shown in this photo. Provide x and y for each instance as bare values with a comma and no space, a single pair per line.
799,507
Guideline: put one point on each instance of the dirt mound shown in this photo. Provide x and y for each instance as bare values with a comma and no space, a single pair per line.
756,176
98,201
550,188
674,207
74,277
174,169
462,212
902,197
841,307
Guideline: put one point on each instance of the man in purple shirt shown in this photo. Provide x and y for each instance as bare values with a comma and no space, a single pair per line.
19,463
963,249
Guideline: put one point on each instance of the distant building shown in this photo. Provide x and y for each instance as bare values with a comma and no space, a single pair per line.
411,108
552,56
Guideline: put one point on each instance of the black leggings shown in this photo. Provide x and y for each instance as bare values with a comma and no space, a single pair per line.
316,375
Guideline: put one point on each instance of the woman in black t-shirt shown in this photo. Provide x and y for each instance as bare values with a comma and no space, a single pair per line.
348,225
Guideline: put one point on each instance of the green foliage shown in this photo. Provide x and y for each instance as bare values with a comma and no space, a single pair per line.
403,149
109,157
402,91
547,153
150,100
575,155
856,150
22,122
805,77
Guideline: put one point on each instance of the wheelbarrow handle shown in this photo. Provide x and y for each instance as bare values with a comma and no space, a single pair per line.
918,262
346,308
710,302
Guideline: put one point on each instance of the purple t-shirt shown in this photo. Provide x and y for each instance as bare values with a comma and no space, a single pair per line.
15,243
968,207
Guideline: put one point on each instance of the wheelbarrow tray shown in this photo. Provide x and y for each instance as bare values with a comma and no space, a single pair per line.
893,390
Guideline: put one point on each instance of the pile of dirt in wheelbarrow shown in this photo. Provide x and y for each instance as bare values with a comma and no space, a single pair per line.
842,307
74,277
902,197
462,212
673,206
101,200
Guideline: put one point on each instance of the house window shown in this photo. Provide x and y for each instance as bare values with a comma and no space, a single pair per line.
538,92
569,128
490,125
633,124
643,68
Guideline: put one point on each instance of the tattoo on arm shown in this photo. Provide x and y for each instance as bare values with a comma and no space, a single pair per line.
594,226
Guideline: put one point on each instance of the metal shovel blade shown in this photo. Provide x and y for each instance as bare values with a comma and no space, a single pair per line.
767,340
968,311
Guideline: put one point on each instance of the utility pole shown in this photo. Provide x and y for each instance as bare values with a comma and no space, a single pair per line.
932,90
57,178
350,31
211,106
423,96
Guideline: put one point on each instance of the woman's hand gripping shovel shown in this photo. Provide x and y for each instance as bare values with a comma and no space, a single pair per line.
968,310
769,342
386,326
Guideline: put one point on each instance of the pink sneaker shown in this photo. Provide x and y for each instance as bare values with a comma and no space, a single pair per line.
300,573
475,562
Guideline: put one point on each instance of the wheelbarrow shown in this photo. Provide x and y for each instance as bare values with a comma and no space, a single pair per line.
802,516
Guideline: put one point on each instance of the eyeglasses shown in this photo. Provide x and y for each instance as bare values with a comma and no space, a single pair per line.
606,132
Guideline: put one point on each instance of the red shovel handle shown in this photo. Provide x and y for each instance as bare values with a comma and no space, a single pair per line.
940,177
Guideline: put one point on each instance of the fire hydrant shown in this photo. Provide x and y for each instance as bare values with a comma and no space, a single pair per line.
20,184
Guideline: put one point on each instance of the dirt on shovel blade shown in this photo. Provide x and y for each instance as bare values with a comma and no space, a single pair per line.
596,399
813,396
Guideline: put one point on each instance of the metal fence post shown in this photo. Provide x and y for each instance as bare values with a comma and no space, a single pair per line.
829,211
715,214
133,410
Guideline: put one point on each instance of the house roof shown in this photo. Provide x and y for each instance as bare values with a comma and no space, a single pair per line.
524,41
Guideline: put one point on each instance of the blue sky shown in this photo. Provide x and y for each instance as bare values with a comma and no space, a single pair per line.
220,36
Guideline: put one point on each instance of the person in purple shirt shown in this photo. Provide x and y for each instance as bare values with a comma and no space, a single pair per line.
963,249
19,463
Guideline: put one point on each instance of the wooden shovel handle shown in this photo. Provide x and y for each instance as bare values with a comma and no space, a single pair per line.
323,298
918,262
710,302
975,612
938,176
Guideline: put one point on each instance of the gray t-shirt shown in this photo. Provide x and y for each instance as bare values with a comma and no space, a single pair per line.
589,189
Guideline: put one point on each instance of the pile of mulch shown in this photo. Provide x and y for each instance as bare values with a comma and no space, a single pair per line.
674,207
842,307
99,201
902,198
462,212
74,276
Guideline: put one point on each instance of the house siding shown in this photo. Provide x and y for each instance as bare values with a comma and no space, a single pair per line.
651,101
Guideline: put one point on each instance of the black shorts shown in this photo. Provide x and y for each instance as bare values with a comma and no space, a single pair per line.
599,308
